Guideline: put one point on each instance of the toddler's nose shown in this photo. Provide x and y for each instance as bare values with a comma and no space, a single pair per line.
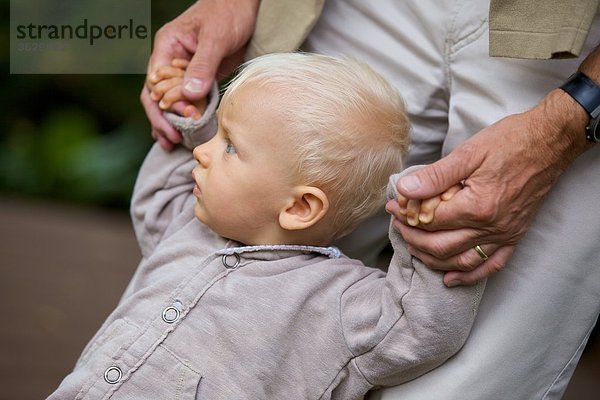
201,155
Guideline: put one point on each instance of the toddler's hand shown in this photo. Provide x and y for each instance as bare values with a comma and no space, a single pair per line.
166,89
423,211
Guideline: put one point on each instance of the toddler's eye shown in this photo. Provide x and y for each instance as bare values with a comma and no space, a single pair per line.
230,149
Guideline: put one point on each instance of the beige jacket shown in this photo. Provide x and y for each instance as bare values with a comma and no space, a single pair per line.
518,28
208,318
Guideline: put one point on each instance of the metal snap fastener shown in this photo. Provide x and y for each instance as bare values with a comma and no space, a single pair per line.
178,305
170,314
227,262
113,375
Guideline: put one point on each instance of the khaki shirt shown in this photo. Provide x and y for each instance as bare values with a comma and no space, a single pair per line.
206,317
518,28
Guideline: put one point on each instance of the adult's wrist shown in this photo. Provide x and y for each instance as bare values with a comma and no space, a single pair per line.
566,118
586,92
560,123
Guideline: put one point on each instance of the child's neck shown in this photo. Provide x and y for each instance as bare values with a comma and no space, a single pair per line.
305,237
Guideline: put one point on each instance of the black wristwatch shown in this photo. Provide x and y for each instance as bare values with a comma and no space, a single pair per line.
587,93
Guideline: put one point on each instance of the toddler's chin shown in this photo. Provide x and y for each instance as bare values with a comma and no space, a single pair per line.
199,213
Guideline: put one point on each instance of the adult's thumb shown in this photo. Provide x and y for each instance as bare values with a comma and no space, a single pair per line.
200,74
434,179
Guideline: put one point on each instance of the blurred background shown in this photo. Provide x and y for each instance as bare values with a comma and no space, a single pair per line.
70,148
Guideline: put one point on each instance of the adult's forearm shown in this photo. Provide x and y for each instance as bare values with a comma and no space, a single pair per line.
563,120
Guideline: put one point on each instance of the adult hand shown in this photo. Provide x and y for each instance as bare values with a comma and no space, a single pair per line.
506,170
213,34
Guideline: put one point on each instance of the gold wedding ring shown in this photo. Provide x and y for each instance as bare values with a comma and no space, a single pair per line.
481,253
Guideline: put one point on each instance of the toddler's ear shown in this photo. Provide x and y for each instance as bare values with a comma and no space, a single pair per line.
307,207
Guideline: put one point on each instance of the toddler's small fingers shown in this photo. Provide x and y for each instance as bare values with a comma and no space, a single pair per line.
180,63
158,74
168,72
403,203
412,212
171,96
428,207
152,79
163,87
191,111
166,84
448,194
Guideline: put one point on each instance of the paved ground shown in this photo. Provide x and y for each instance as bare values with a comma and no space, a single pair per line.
62,270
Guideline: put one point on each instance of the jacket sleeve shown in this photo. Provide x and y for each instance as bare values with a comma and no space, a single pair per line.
164,184
403,325
282,25
540,29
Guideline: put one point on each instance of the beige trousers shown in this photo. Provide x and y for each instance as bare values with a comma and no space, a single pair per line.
537,313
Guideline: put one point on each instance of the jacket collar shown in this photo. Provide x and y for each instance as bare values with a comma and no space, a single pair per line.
278,251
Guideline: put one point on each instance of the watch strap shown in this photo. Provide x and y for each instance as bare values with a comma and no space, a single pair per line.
585,92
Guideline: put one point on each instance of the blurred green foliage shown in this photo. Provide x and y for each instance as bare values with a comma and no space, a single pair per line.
73,137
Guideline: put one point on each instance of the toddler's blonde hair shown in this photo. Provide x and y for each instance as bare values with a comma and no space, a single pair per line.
349,124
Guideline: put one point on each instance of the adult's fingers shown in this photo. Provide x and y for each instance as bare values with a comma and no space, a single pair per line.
466,261
202,70
439,244
453,250
225,31
492,265
161,128
175,40
436,178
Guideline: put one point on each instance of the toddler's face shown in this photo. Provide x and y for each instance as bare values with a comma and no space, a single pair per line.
243,177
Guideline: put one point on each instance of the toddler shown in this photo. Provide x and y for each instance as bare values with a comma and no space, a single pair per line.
240,294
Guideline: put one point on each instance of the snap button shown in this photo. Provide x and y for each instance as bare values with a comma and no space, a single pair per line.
178,305
229,263
113,375
171,314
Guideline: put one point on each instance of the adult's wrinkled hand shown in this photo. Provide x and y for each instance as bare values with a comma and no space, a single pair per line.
212,34
506,170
